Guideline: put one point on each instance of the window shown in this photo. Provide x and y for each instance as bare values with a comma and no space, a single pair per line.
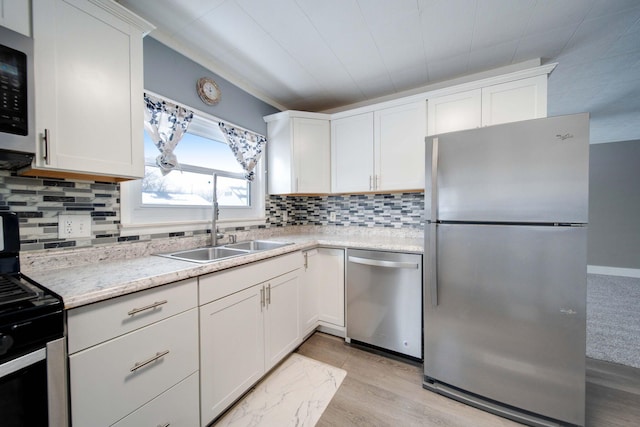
192,184
183,197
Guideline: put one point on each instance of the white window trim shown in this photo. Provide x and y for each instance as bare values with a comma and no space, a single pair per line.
136,219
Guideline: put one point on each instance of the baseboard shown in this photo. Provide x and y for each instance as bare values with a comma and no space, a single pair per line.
613,271
338,331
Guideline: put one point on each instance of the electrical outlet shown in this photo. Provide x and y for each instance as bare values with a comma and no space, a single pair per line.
70,226
285,216
332,216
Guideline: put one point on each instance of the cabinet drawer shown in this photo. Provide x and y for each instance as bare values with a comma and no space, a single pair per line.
95,323
219,285
105,386
177,406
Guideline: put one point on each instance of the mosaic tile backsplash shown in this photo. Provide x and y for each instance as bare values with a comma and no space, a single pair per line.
39,201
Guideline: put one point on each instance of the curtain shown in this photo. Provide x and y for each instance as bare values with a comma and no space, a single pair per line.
166,123
246,146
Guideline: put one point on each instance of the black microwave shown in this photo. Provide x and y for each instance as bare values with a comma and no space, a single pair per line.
17,130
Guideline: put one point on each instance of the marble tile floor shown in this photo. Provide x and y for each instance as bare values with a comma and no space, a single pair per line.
295,394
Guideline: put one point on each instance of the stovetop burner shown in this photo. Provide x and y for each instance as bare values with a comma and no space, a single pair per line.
12,290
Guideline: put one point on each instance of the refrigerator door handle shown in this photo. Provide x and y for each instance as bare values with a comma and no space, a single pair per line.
433,264
434,180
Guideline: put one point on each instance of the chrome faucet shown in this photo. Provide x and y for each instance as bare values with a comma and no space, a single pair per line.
215,211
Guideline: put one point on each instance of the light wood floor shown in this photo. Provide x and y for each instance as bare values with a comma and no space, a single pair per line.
381,391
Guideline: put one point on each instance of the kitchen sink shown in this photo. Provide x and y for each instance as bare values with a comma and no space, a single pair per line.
257,245
210,254
206,254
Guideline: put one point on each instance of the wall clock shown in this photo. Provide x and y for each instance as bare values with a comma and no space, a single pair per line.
208,91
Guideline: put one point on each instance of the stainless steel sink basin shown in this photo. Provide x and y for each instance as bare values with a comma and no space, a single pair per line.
203,255
257,245
210,254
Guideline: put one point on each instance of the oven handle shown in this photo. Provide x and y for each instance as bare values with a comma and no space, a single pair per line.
22,362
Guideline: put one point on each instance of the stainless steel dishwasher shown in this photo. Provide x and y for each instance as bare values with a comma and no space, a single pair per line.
384,300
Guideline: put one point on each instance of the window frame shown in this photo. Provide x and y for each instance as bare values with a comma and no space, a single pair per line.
137,218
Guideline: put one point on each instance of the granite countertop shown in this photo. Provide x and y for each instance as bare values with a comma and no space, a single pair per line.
102,279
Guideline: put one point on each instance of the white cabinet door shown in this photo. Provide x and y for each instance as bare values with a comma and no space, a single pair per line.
514,101
88,83
330,269
399,147
309,285
110,380
177,406
312,154
281,317
16,15
454,112
352,156
298,154
281,164
231,349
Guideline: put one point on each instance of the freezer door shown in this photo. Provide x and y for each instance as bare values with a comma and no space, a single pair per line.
509,323
534,171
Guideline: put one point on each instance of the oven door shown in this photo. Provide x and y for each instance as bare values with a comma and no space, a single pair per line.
23,390
33,389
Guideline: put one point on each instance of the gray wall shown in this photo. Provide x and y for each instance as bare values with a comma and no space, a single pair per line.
614,204
168,73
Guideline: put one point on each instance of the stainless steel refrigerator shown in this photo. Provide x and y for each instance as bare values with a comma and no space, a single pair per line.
505,268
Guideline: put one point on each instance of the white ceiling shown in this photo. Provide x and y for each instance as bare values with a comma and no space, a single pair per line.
319,55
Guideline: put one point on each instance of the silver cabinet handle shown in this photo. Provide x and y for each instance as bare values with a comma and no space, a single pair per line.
306,260
382,263
152,359
147,307
261,298
46,146
376,182
370,182
164,425
269,294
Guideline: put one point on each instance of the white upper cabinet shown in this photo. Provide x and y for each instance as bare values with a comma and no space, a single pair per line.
381,150
453,112
16,15
352,154
399,147
511,101
88,86
298,152
514,101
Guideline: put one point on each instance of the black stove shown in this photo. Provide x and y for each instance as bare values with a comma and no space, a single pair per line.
31,341
29,313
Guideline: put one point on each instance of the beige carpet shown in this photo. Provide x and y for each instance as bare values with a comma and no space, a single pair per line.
296,393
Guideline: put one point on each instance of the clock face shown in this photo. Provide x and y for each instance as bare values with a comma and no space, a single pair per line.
208,91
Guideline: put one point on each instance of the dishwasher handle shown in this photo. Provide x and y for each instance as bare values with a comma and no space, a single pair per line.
382,263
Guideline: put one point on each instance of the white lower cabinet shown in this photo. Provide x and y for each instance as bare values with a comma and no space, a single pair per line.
330,274
231,348
177,406
145,344
322,290
247,330
281,318
308,306
113,379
